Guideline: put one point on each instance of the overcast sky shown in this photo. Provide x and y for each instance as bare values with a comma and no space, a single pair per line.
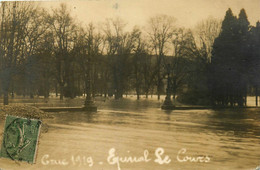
137,12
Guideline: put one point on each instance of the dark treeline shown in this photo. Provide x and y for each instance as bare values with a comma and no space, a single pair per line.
43,52
235,61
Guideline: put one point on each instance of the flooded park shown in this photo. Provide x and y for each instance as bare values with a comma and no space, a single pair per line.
222,139
130,85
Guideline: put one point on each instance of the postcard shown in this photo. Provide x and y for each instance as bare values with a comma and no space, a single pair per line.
130,85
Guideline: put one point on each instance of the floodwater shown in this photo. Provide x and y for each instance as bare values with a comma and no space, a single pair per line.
190,139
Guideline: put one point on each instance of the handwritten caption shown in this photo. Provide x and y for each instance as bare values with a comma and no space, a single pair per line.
114,159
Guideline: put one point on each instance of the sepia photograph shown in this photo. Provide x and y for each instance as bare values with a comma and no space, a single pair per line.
130,85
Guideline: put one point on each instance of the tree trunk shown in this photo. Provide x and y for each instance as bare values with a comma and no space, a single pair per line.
56,89
158,84
256,96
174,97
78,88
12,90
5,84
61,92
12,94
5,97
137,93
46,89
46,92
245,97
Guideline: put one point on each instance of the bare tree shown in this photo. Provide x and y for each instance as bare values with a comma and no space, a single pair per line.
139,54
119,46
184,50
206,32
34,35
88,48
161,29
143,67
46,64
63,29
17,39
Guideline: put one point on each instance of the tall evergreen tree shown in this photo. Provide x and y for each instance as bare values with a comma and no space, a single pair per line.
254,60
243,52
229,61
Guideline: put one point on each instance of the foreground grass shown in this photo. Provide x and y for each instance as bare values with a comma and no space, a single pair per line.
25,111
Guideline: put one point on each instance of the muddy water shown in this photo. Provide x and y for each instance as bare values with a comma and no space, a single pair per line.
190,139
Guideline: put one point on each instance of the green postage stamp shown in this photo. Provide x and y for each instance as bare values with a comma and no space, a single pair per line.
20,138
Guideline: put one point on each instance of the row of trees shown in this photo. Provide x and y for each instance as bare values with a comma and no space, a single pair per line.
21,35
48,51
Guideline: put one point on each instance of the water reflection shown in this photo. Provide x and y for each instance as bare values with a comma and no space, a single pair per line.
239,122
